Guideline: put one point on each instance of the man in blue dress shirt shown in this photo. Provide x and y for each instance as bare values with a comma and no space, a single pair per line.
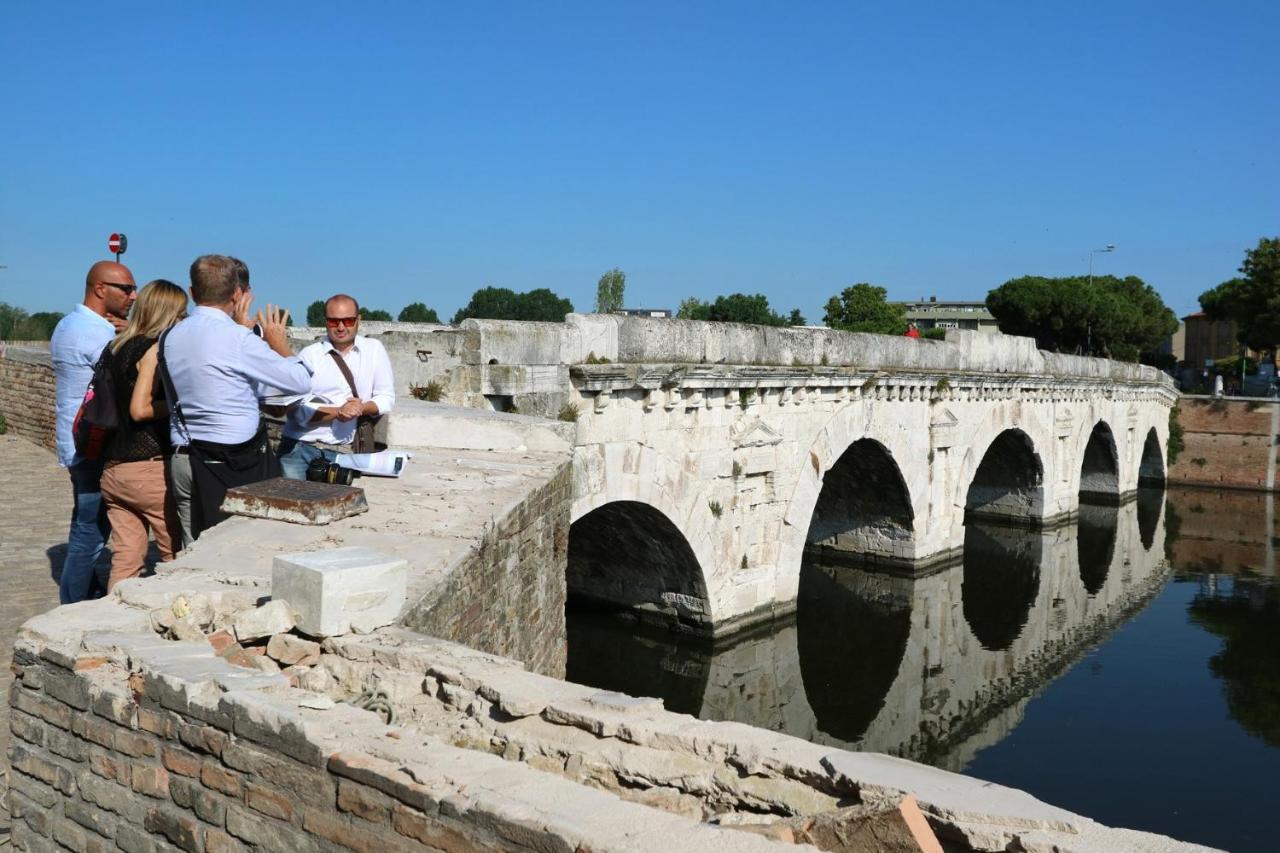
218,368
78,339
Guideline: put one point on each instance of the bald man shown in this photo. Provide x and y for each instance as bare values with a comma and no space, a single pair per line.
350,379
78,339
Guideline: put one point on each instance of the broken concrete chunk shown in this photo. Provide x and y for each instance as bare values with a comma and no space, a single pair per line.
947,797
274,617
317,679
186,630
221,641
264,663
897,827
340,590
289,649
621,702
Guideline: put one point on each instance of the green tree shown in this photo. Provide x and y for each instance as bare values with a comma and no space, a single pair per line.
737,308
501,303
693,308
10,316
17,325
375,314
609,290
1121,318
417,312
542,304
315,313
1253,300
863,307
741,308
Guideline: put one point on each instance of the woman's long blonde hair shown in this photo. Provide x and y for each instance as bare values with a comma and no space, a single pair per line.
159,305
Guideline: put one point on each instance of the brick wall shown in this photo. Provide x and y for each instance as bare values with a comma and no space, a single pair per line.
125,741
509,597
97,768
27,393
1229,443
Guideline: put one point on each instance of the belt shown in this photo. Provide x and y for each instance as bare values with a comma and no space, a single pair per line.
181,450
324,445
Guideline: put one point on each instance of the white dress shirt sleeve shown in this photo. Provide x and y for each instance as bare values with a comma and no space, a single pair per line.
384,382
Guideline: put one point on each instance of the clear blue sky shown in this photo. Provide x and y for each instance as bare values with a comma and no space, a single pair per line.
418,151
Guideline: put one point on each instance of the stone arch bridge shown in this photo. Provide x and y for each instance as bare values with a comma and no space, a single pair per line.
710,458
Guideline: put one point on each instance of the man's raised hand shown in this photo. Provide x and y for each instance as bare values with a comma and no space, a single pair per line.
274,322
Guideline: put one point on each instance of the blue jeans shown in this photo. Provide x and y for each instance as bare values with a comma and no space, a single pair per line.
296,455
87,535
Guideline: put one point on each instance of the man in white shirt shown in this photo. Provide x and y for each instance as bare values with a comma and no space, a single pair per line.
78,339
323,424
215,369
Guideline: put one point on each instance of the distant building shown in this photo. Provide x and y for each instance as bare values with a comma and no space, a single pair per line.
1176,344
932,314
1210,339
661,313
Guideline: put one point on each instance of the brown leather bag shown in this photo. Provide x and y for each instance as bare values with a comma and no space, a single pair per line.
363,441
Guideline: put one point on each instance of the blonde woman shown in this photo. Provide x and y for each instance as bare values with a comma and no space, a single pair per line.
133,480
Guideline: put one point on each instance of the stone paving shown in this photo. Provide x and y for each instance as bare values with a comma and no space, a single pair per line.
35,507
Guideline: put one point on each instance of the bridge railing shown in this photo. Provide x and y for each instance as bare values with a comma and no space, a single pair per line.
589,338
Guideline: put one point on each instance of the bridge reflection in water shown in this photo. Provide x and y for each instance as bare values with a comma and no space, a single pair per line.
933,668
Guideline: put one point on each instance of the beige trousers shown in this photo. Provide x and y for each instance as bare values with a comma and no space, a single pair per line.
137,500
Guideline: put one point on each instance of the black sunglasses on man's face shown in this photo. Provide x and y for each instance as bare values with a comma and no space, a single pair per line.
124,288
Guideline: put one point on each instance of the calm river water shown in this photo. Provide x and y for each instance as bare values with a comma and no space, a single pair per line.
1126,667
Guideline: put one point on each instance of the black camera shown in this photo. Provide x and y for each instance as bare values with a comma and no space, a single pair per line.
322,471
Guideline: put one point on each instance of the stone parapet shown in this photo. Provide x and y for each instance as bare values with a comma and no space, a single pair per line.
484,532
394,740
27,394
593,337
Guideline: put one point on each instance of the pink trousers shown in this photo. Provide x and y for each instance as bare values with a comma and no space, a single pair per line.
137,500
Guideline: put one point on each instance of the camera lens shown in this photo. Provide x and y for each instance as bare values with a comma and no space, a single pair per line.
318,471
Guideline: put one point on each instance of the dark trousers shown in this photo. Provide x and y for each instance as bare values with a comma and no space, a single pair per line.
217,467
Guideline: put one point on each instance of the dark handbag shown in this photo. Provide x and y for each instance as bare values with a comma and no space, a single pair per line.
98,417
363,441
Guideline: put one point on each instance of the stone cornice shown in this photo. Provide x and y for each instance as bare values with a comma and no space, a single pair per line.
842,384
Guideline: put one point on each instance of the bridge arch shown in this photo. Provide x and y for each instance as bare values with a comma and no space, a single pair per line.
1151,467
643,477
893,438
863,512
1008,483
628,554
1100,467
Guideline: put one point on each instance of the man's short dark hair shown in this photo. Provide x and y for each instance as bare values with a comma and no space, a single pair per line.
214,278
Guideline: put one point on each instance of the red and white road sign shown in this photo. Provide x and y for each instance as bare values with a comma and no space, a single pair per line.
117,243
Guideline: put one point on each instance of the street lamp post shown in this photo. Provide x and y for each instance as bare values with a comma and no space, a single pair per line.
1110,247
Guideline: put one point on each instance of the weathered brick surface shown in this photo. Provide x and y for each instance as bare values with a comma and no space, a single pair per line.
509,598
1228,443
27,394
88,783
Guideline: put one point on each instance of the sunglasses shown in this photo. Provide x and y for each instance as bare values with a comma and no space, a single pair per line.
124,288
335,322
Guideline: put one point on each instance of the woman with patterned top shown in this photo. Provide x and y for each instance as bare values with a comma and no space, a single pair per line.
133,482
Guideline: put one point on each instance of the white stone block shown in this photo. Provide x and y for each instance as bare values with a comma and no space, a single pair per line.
341,590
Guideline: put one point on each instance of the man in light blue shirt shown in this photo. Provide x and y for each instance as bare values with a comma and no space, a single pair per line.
78,339
217,370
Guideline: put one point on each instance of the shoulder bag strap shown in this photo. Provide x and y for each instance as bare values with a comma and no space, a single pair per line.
163,367
346,372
